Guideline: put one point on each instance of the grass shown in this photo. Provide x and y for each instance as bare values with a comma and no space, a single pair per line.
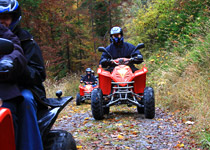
69,85
183,86
206,140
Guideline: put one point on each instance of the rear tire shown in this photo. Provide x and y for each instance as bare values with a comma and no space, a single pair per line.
78,99
149,103
59,140
97,104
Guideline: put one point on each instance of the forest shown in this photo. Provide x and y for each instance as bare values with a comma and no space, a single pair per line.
175,33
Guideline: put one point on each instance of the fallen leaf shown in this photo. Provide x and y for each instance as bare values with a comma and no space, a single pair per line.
127,147
119,124
180,145
149,136
189,122
107,143
79,147
120,137
134,132
87,118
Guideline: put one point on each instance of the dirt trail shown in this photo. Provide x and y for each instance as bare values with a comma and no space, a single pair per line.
124,128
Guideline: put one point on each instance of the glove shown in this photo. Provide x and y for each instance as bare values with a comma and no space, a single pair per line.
6,64
137,59
105,62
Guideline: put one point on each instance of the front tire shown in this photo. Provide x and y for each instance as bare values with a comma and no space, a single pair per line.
140,110
149,103
78,99
106,110
59,140
97,104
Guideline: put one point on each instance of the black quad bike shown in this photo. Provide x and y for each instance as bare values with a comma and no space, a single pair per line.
52,139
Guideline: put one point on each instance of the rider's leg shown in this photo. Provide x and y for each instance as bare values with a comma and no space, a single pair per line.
110,69
133,68
12,105
29,133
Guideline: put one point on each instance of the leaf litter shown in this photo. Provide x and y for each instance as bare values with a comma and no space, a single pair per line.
124,128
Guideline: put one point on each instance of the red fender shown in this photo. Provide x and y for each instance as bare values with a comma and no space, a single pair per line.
126,75
7,135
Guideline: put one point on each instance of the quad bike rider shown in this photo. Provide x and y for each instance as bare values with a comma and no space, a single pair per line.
122,82
52,139
28,90
90,82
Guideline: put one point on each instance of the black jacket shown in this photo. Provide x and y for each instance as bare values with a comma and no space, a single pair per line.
8,87
125,50
35,73
91,78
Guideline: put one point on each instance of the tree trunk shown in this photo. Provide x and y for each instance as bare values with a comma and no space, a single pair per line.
68,55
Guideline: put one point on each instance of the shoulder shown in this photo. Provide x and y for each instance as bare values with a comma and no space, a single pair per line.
129,44
3,28
24,35
5,32
110,48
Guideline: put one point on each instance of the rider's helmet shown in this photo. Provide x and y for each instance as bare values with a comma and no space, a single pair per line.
116,35
11,7
88,71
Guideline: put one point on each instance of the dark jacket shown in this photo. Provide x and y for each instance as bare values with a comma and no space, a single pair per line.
35,73
90,79
10,90
125,50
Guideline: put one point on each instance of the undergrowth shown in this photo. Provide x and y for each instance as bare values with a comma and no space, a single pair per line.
181,83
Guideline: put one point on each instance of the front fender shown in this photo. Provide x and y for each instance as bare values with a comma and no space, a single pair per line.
104,81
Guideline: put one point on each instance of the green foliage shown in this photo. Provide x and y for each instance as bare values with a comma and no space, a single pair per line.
166,24
144,26
30,3
101,18
206,140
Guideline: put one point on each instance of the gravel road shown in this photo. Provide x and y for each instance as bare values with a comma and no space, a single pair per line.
124,128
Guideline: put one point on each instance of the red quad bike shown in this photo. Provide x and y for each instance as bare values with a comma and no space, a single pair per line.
122,86
85,92
52,139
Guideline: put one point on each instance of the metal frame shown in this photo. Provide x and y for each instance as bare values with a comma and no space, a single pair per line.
86,96
123,95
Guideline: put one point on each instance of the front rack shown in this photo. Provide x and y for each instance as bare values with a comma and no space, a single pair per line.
123,95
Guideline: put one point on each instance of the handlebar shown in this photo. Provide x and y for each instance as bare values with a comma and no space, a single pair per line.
85,82
121,61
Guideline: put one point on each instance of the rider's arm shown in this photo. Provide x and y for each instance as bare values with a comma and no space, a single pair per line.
16,56
35,73
94,80
105,59
137,57
84,79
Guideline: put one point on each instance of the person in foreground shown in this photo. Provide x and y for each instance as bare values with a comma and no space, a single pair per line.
119,49
12,65
30,83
